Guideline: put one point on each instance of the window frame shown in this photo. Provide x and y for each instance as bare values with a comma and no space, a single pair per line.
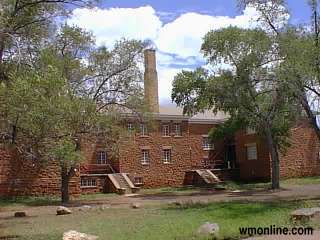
145,158
206,145
99,160
165,126
250,131
130,127
250,146
88,182
177,130
143,129
167,158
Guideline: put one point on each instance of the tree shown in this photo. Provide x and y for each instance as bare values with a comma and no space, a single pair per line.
26,24
249,90
299,47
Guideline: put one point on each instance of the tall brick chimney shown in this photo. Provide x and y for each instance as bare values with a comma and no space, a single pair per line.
151,80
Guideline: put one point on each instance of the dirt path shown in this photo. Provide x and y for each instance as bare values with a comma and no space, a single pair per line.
289,193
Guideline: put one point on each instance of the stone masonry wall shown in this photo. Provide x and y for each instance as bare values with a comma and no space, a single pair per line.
23,177
302,157
187,154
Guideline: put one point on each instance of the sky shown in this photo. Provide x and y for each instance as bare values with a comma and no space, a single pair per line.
176,28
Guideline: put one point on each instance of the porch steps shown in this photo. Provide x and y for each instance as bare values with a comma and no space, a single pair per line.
122,183
207,176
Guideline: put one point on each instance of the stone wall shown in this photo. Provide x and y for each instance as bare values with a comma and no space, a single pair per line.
20,176
252,169
302,157
187,154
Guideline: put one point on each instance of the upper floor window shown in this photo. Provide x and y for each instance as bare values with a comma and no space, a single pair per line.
252,152
130,127
165,130
250,130
143,129
207,144
101,157
145,157
166,155
177,129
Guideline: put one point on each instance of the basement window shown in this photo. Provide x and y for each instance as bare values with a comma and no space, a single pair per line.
101,157
88,182
138,180
252,152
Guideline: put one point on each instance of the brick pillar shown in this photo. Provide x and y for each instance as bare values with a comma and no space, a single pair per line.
151,81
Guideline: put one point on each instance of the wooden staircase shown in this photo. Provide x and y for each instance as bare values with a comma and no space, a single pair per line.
122,183
207,176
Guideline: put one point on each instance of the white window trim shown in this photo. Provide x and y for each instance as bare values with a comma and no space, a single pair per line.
207,145
101,160
165,126
88,182
250,131
166,158
130,127
247,152
145,160
143,129
177,130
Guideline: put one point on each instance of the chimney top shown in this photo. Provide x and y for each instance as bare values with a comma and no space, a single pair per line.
151,80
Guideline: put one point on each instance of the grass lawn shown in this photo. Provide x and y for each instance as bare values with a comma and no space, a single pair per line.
154,222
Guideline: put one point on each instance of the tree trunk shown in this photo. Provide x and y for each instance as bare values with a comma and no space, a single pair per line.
64,185
275,164
311,116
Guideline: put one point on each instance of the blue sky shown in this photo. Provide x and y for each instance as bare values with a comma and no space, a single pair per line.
298,8
176,27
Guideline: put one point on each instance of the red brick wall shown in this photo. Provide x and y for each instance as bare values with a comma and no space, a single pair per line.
187,153
23,177
302,157
252,169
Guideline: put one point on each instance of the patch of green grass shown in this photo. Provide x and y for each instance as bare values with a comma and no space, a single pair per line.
232,185
301,181
171,190
29,201
14,202
157,223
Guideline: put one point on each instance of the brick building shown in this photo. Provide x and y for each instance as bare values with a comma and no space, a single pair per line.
174,151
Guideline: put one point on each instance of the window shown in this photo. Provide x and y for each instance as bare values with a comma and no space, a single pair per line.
88,182
143,129
130,127
145,157
138,180
206,144
252,152
165,130
101,157
166,155
250,130
177,129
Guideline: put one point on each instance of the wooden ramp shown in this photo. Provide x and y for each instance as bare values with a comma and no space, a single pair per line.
122,183
207,176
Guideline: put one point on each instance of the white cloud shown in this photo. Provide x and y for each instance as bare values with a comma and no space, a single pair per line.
109,25
181,38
